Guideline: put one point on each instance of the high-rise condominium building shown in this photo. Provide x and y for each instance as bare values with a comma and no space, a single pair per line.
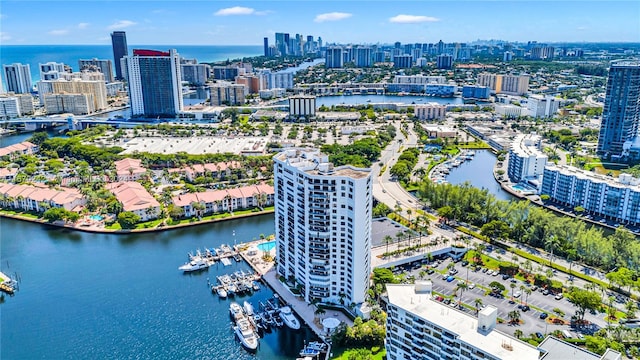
119,44
323,226
51,71
505,84
104,66
302,105
621,113
154,82
363,56
17,77
444,61
402,61
334,58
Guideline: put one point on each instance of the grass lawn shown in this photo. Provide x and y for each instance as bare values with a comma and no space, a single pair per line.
114,226
149,224
343,354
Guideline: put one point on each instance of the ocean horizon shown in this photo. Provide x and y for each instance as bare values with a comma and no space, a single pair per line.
70,54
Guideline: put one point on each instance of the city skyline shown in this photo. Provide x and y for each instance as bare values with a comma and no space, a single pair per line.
217,23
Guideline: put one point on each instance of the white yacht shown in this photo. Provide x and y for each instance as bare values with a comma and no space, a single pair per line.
196,263
235,311
288,318
246,334
248,308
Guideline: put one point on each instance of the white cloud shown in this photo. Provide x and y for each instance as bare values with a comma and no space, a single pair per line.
83,25
58,32
236,10
582,28
5,36
121,24
412,19
332,16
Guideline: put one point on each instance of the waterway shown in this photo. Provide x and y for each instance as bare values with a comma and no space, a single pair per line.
478,172
366,99
103,296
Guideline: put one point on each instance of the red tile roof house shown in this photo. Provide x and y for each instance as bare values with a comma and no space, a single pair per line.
135,198
225,200
8,174
216,169
32,198
129,169
15,150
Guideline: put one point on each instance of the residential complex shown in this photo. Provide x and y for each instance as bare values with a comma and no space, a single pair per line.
136,199
225,200
621,114
103,66
15,105
17,77
616,199
154,82
76,104
51,70
120,50
526,160
94,90
430,111
505,84
418,327
224,93
302,105
539,106
323,226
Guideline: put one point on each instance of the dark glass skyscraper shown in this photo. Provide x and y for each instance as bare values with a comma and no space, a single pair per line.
119,44
266,47
621,113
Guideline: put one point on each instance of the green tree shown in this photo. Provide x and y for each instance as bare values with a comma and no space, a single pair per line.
583,300
128,219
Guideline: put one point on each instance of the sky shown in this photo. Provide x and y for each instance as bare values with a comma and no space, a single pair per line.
212,22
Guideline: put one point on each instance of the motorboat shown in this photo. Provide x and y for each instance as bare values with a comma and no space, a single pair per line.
248,308
315,345
196,263
255,286
222,293
309,352
288,318
235,311
246,334
231,289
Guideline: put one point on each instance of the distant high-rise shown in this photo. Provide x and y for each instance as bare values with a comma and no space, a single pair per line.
402,61
444,61
119,44
334,58
104,66
363,57
266,47
621,113
51,71
154,82
18,78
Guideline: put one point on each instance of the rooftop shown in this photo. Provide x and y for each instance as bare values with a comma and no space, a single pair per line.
623,181
556,349
313,162
465,326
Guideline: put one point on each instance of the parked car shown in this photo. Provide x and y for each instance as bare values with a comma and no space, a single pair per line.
539,335
544,316
517,294
471,286
545,292
558,296
484,270
505,277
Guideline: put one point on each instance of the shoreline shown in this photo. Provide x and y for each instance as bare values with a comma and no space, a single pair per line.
131,231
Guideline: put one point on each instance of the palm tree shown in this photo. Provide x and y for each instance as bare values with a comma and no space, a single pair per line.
387,239
462,286
551,244
527,292
512,286
478,303
518,333
514,316
399,236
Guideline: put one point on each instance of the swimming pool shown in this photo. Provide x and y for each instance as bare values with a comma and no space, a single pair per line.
96,217
267,246
518,187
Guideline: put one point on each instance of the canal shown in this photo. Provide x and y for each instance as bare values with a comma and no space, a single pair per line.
103,296
479,173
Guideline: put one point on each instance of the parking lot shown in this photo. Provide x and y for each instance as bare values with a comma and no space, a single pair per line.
478,282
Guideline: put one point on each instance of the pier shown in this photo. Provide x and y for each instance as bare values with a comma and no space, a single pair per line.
302,309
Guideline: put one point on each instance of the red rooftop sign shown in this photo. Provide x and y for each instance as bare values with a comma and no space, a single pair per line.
142,52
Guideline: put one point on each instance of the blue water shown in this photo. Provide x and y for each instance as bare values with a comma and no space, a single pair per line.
267,246
478,172
70,54
96,217
366,99
100,296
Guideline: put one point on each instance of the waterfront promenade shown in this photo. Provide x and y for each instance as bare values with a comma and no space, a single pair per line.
303,309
